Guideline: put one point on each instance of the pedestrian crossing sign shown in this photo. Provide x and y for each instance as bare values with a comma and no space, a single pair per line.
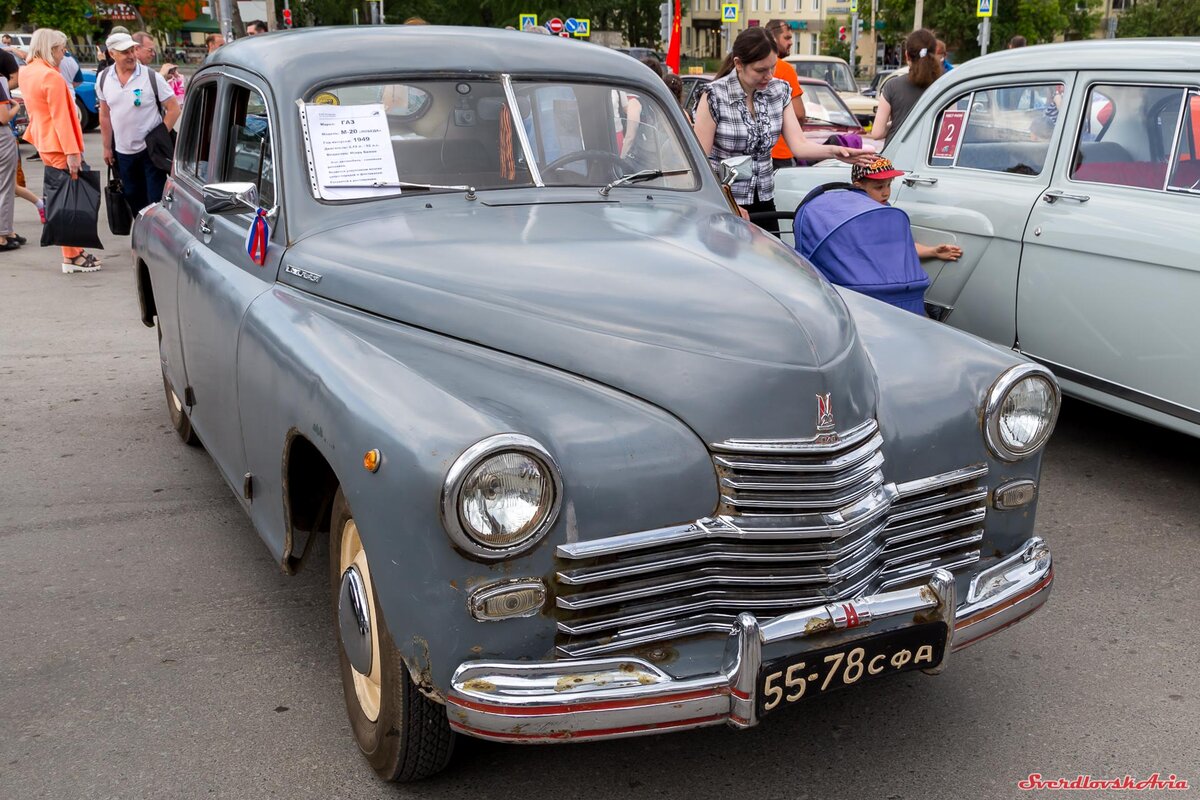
984,8
584,30
729,12
528,21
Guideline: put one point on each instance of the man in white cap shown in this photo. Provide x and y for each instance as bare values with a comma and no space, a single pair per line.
133,102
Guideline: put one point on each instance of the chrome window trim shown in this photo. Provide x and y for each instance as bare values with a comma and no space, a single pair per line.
1178,129
522,135
276,187
996,396
472,456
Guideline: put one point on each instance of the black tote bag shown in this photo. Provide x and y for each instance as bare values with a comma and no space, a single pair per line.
72,209
120,216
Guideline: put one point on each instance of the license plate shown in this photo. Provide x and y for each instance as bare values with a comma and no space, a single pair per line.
794,678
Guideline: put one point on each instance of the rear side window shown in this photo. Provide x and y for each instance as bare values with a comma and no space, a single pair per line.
1004,129
197,132
1128,137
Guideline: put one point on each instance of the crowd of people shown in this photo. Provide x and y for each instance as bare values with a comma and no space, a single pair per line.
138,108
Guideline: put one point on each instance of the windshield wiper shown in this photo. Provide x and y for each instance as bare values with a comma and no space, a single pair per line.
470,190
640,176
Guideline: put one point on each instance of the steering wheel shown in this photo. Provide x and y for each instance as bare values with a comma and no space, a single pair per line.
598,156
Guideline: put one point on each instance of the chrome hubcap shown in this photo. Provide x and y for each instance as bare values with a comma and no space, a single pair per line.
354,618
360,634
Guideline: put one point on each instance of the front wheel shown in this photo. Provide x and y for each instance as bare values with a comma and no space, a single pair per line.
403,734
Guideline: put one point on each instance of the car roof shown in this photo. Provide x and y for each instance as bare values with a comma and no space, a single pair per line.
816,58
1088,54
298,60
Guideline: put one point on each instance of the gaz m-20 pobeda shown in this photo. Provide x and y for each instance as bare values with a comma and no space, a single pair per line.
594,458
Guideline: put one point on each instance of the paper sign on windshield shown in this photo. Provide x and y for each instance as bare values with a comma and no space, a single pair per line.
945,147
351,151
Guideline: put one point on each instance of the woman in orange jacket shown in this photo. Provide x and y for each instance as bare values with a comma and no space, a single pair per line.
53,127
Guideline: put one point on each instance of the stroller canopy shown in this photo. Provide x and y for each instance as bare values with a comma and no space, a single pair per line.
861,244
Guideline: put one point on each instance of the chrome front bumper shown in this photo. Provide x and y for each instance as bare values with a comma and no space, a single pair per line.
606,698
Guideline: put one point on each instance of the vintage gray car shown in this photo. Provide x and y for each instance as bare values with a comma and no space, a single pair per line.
594,457
1070,176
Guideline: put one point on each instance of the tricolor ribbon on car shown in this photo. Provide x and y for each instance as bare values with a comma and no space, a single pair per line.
257,237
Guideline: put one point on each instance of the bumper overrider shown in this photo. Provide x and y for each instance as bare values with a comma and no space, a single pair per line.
607,698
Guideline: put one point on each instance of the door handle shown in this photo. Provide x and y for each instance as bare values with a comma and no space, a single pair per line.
169,197
1054,195
204,228
912,180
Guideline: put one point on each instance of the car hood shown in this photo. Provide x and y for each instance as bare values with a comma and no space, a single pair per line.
701,314
859,103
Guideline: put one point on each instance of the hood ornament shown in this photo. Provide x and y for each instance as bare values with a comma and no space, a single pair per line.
826,433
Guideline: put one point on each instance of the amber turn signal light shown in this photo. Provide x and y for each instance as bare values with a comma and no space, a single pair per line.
371,460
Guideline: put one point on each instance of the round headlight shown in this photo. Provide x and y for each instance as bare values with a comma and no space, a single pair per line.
1021,411
501,496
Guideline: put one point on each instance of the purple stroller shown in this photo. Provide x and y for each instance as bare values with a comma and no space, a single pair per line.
861,244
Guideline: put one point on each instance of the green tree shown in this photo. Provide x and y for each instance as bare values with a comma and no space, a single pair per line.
68,16
163,15
831,43
1161,18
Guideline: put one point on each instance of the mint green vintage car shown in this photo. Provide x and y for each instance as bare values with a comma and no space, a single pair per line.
1070,176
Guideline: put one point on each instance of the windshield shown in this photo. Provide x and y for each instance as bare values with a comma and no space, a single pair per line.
835,73
822,106
447,135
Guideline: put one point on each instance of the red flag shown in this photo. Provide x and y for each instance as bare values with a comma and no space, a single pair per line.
676,35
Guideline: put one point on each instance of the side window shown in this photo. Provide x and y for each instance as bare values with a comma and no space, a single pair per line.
197,132
1185,174
249,155
1127,135
1006,129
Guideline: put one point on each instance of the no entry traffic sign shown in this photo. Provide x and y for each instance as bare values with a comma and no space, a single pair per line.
555,25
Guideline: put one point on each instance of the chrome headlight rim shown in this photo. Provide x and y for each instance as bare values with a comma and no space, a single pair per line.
472,457
1007,381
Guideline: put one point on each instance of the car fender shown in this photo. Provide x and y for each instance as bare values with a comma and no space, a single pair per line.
350,382
941,377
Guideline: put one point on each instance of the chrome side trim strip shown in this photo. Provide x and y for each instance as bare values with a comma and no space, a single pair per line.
1118,390
941,481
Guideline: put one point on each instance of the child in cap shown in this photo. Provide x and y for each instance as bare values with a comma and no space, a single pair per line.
875,179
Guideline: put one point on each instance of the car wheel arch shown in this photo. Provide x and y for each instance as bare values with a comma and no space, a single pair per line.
309,486
145,290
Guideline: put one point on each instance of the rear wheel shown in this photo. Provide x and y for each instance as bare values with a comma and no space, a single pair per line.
403,734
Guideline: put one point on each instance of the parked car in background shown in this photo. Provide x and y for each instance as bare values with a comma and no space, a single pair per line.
826,113
86,109
836,72
594,457
882,77
1069,174
641,52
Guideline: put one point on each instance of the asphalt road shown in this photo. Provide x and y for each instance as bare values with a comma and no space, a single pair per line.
150,648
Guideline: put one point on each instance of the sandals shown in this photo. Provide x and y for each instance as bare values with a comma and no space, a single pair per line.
18,238
9,244
84,262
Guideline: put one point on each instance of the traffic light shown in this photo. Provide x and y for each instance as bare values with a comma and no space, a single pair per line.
842,34
287,18
980,37
664,22
861,25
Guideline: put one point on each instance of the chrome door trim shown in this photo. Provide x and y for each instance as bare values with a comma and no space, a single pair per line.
1118,390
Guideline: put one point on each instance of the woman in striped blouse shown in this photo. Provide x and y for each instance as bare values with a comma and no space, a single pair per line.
742,113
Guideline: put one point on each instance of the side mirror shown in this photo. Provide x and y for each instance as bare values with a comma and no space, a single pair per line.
225,198
731,169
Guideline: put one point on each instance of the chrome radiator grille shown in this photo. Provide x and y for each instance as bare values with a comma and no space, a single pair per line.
800,523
